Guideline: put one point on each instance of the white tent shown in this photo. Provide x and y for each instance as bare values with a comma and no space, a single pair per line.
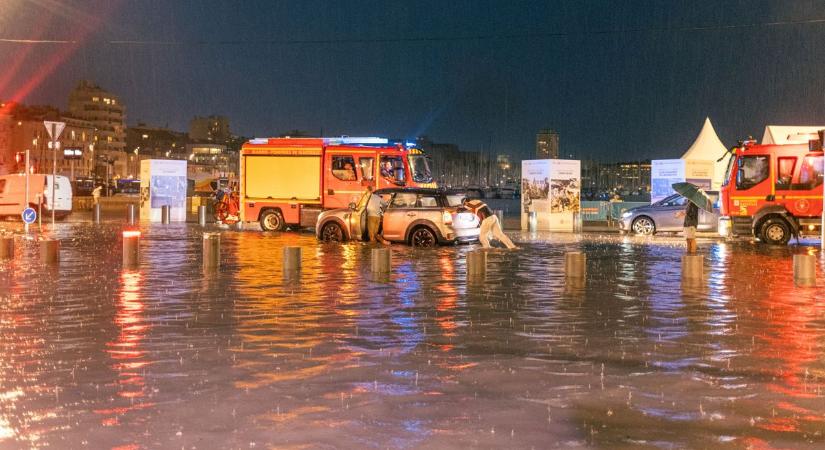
781,135
708,147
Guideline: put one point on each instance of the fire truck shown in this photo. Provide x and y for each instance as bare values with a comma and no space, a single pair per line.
289,181
773,192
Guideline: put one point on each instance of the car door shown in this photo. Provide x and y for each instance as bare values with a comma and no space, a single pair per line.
358,217
669,214
400,212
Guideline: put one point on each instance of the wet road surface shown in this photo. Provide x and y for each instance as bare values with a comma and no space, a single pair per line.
167,356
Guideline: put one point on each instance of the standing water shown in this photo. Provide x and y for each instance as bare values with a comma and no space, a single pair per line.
165,355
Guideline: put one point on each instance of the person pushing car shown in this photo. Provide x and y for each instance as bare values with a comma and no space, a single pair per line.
489,224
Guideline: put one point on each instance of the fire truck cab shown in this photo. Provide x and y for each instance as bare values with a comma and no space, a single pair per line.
289,181
773,192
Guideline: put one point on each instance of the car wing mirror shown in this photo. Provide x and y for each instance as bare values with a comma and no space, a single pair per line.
352,206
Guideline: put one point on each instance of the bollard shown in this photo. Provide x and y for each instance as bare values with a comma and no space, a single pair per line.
6,247
693,267
211,251
381,260
476,263
575,265
96,213
804,270
292,259
202,215
50,251
239,225
130,214
532,221
165,213
131,248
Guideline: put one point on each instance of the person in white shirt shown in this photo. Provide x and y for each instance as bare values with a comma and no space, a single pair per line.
489,224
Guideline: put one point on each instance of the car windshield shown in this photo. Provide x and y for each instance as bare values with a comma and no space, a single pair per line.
420,168
454,199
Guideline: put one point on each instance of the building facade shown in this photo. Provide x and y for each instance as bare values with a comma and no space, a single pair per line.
104,111
22,128
210,129
547,144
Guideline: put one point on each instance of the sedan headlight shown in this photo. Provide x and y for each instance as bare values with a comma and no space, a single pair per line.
626,214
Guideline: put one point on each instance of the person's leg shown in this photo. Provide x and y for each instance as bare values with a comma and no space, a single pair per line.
484,232
690,238
498,233
372,227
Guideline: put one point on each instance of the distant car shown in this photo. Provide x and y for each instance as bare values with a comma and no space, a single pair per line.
418,217
665,215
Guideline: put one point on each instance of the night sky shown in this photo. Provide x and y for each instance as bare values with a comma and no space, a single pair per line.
617,79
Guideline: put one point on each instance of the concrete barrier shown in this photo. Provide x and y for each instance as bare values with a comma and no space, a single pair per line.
381,260
575,265
292,259
50,251
804,270
476,263
211,251
6,247
131,248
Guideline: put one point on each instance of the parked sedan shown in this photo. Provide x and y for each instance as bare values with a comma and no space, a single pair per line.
419,217
667,215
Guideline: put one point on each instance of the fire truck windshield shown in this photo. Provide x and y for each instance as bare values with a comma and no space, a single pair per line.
420,168
731,160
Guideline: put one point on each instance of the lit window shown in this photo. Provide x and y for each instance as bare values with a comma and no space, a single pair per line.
95,99
109,138
145,136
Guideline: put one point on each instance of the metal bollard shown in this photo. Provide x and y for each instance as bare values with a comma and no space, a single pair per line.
381,260
532,221
693,267
202,215
131,248
211,251
804,270
96,213
131,214
476,263
165,214
292,259
575,265
50,251
6,247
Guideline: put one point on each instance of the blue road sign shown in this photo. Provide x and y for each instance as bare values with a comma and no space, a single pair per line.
29,215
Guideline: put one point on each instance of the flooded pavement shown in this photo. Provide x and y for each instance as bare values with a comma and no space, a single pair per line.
167,356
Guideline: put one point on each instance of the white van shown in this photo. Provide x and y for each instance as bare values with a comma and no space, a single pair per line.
13,195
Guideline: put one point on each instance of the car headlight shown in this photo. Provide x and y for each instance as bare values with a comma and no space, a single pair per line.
627,214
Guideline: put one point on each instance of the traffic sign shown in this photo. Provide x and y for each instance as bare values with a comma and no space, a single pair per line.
54,128
29,216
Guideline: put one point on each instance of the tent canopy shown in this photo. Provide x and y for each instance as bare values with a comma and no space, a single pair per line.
708,147
781,134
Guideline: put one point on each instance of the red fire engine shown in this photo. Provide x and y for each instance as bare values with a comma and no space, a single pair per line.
289,181
773,192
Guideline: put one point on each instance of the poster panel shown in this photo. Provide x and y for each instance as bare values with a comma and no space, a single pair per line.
163,183
663,173
700,173
565,194
535,192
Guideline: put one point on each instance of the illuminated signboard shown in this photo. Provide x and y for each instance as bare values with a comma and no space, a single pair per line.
72,153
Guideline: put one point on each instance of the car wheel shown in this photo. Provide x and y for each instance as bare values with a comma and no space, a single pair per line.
272,220
775,231
643,225
332,232
422,237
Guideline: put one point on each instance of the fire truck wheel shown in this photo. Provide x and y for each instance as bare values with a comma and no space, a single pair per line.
272,220
775,231
332,232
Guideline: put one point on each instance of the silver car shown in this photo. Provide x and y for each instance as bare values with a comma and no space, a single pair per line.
667,215
419,217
